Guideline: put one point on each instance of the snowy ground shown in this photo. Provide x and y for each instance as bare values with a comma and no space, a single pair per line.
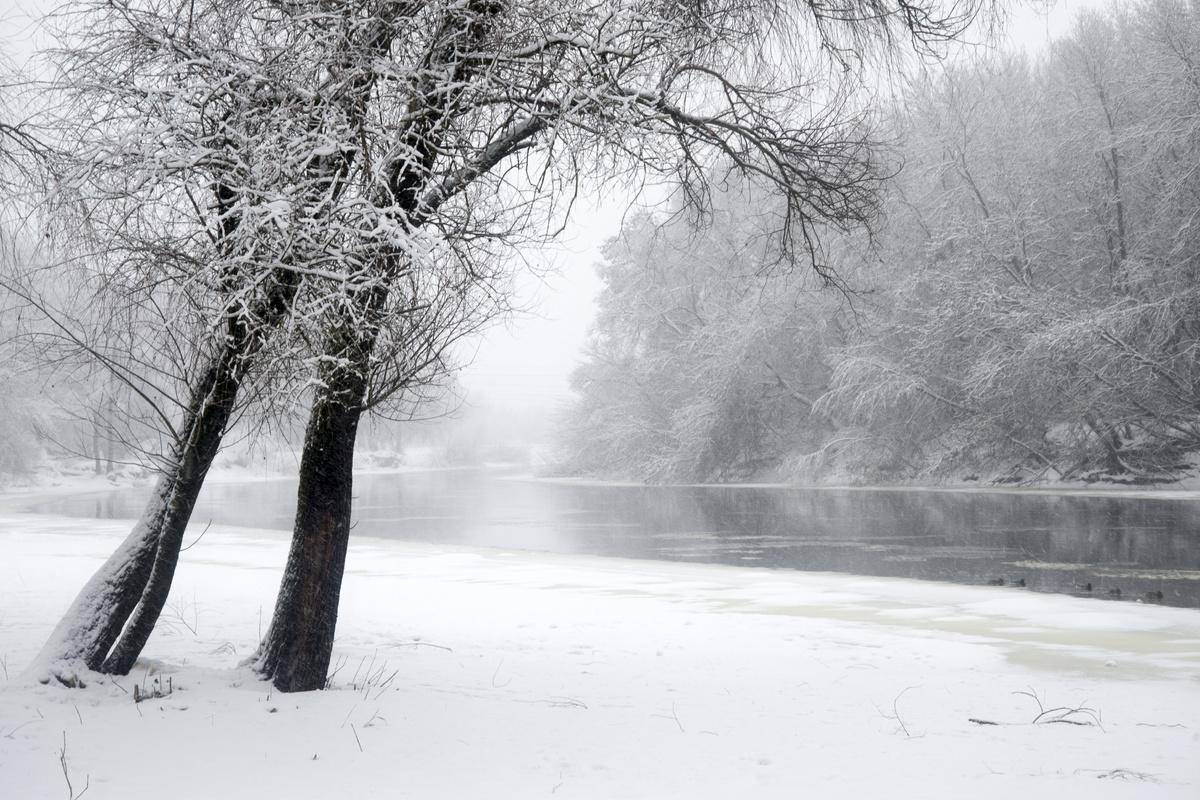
489,674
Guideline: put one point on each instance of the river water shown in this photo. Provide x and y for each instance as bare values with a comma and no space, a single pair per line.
1052,542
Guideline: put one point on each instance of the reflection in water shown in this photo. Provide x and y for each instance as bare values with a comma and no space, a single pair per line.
1053,542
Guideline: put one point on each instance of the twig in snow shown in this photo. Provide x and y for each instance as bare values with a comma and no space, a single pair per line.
4,663
79,715
497,672
367,674
896,713
375,680
336,669
177,611
356,737
348,713
9,735
62,759
383,686
354,680
673,716
416,643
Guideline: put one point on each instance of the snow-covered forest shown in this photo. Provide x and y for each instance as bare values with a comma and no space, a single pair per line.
1027,308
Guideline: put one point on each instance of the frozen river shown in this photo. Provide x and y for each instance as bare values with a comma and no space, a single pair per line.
1053,542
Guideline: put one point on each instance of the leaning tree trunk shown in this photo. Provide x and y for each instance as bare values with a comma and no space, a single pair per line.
136,577
296,651
207,429
93,622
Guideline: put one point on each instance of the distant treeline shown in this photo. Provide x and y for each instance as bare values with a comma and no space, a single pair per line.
1028,307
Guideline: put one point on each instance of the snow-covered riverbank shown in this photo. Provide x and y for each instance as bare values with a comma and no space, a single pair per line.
468,673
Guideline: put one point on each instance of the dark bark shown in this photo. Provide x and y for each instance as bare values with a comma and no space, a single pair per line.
209,413
296,651
101,610
137,577
136,580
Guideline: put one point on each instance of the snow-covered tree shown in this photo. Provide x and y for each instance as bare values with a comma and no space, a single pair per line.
197,192
500,111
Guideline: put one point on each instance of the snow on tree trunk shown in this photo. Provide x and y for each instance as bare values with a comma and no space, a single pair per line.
222,383
87,631
136,578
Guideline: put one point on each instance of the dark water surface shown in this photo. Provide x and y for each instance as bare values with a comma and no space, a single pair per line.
1055,543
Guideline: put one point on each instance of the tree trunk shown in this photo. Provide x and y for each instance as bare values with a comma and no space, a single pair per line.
219,391
136,578
93,622
296,651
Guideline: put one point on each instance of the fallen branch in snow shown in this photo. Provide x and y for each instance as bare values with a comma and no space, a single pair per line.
1122,774
1048,716
563,702
1062,714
